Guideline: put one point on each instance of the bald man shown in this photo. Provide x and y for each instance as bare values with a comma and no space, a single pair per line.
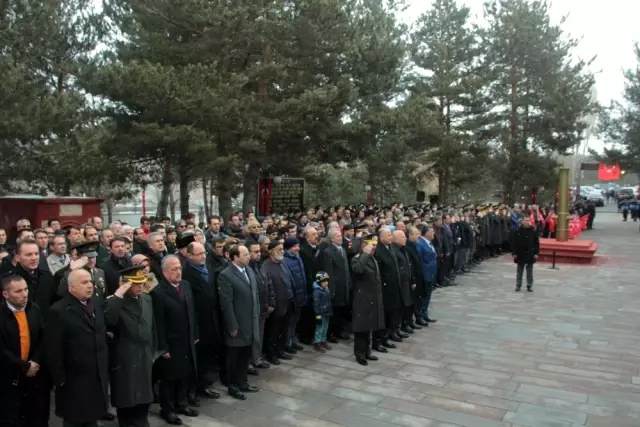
76,326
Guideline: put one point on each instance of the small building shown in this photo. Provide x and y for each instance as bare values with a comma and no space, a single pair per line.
39,209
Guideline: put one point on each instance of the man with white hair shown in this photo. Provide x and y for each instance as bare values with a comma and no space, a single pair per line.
177,330
389,266
335,262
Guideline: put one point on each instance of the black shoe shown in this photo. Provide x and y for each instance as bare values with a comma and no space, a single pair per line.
298,347
407,330
237,394
262,365
395,337
401,334
192,400
273,360
189,412
371,357
284,356
171,418
290,350
529,289
422,322
414,327
380,348
518,288
362,361
430,320
333,340
388,344
108,417
210,393
253,371
249,389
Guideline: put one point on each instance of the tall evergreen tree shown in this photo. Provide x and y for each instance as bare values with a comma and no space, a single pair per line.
447,51
540,92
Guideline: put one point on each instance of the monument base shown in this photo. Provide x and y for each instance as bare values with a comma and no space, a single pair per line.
569,252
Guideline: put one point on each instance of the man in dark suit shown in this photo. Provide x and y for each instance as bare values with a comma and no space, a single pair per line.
87,253
77,355
335,262
391,282
240,304
267,297
23,382
177,328
42,240
207,311
42,289
116,262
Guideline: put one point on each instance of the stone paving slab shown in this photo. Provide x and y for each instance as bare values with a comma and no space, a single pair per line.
567,355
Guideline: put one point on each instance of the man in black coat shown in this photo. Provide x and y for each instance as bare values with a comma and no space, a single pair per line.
207,311
177,327
114,263
335,262
40,282
391,283
267,297
240,305
23,381
76,353
408,281
525,248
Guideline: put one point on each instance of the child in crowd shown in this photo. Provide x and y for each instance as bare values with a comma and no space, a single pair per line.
323,310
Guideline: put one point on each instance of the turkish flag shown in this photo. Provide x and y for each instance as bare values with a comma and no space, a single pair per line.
608,172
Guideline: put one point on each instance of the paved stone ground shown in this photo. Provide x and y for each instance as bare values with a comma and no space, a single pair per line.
566,355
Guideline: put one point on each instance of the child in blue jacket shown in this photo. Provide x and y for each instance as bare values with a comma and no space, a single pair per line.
323,310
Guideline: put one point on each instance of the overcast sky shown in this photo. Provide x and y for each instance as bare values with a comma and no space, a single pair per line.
608,29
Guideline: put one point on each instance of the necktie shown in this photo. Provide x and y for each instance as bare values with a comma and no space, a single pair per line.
180,291
246,276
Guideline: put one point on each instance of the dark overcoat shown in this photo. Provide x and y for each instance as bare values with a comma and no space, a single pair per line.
41,286
77,359
311,260
206,304
368,306
336,265
240,306
390,275
133,349
177,330
15,386
273,272
406,274
416,266
525,245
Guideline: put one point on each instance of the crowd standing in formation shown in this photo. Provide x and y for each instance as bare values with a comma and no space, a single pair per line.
157,312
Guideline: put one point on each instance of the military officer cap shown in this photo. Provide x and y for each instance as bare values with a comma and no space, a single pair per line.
362,227
184,240
134,274
88,249
370,239
347,227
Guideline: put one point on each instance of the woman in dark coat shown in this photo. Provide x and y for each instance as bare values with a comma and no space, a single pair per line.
368,307
130,317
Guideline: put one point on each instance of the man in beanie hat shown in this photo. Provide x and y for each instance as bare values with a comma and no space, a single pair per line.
293,261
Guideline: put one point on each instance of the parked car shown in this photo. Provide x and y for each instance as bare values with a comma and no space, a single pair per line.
596,197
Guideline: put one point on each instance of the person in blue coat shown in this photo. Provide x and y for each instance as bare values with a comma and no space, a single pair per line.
294,262
429,261
322,309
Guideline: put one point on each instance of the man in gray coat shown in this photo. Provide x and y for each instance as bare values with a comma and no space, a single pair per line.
129,313
239,300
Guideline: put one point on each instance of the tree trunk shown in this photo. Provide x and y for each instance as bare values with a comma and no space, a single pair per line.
205,198
249,187
371,194
184,175
512,167
444,176
109,204
167,182
172,206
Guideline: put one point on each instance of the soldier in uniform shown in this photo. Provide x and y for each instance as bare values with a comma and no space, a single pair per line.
86,257
129,314
368,306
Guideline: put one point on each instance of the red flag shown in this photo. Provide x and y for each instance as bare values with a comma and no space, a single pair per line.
608,172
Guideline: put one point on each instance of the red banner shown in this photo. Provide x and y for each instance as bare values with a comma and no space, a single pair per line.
608,172
265,186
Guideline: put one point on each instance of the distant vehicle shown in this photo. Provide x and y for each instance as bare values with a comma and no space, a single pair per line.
627,193
596,197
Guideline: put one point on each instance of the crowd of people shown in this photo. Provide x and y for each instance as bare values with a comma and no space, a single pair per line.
161,312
